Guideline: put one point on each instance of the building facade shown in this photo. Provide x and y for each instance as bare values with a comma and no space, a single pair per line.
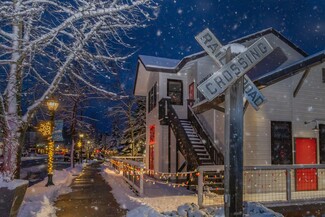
185,131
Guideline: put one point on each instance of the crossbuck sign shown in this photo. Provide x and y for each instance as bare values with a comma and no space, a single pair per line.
237,67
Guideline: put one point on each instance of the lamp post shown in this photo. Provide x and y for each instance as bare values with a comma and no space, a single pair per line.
81,136
52,105
87,149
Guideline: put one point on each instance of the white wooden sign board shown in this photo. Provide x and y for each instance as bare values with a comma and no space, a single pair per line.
228,73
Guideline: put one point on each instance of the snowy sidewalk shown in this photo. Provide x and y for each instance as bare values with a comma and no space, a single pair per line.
90,196
161,197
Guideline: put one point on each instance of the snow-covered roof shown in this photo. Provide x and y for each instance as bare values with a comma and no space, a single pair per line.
267,31
158,62
161,64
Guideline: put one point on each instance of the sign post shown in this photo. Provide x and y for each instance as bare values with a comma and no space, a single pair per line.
231,78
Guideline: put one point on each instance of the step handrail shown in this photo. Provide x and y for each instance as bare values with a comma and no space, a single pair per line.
170,116
214,152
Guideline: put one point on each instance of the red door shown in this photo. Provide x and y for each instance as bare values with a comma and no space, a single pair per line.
306,179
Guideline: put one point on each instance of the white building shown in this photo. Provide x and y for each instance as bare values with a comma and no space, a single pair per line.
280,133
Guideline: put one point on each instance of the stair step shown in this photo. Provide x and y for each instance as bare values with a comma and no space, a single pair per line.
203,154
197,143
207,163
193,136
198,151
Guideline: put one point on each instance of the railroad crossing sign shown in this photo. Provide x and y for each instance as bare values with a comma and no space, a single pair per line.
230,72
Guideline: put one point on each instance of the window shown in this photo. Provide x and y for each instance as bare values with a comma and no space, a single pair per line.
322,143
175,91
152,98
323,75
281,142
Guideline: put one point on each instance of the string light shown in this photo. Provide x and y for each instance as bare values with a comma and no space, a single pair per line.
45,128
50,157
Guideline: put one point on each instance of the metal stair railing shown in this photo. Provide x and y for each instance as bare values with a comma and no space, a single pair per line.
216,154
168,116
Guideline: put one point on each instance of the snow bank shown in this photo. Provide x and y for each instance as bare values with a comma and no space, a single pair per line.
39,199
158,196
251,209
162,200
11,184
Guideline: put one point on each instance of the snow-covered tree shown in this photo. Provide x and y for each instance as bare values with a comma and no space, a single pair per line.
131,114
40,43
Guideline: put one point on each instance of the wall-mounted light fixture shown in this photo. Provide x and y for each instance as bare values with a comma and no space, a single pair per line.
316,121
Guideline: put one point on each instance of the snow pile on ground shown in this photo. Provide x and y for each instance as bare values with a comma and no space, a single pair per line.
162,200
38,200
160,197
5,183
33,169
251,209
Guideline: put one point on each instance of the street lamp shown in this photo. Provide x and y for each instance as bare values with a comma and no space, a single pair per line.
81,136
52,106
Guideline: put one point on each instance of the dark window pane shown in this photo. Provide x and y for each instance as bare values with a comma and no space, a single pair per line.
175,91
152,98
281,142
323,75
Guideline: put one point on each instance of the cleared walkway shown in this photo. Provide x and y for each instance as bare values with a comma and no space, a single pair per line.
90,197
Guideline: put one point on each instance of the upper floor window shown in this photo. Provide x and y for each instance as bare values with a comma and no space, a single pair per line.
175,91
152,98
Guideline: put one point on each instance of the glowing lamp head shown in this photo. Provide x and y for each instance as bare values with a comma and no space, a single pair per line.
52,104
81,135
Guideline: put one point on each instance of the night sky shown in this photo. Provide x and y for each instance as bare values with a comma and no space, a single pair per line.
172,34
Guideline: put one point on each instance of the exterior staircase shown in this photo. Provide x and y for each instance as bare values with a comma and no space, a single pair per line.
196,143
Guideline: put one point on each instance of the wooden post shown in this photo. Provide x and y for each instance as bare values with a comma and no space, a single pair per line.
200,188
234,148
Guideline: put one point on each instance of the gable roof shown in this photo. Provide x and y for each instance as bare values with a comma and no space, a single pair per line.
159,64
276,33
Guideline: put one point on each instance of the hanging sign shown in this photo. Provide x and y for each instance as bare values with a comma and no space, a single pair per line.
228,73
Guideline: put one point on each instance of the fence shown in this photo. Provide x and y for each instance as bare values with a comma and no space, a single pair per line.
210,185
132,171
284,183
267,184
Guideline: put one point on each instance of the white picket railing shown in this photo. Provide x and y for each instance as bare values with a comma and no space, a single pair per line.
132,171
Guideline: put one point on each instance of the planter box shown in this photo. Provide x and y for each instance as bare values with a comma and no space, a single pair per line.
11,197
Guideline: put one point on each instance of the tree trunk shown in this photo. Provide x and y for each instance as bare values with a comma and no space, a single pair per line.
72,154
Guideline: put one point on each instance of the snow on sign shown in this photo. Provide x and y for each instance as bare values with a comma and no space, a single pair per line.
225,76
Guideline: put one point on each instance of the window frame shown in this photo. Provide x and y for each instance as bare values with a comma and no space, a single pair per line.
181,91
